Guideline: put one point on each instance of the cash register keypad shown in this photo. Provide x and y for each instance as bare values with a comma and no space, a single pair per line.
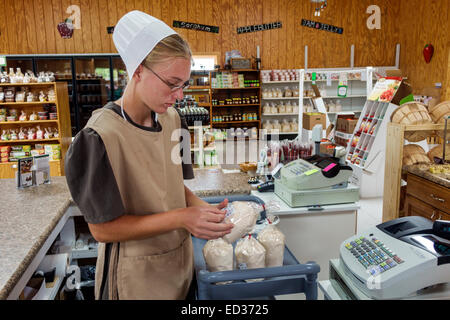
301,168
373,255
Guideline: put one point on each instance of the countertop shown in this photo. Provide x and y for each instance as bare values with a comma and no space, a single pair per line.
422,170
27,217
213,182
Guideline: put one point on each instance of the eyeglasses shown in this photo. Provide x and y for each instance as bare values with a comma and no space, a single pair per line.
173,87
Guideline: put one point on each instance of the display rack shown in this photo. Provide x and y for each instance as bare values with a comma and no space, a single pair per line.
393,165
366,151
292,101
62,123
221,92
327,82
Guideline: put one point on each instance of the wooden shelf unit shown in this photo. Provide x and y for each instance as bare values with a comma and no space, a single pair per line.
393,165
62,123
224,93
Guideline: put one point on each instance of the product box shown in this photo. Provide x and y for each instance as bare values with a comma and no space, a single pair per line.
346,124
327,148
53,150
311,119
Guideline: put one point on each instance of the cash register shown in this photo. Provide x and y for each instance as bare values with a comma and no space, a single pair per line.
315,181
406,258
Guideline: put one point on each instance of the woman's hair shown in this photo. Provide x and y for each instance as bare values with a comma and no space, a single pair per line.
173,46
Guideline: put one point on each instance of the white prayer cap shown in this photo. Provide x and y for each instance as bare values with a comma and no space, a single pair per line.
135,36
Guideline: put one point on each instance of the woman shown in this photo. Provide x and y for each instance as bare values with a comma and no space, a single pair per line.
126,179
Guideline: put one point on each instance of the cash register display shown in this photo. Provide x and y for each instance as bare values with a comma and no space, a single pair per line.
325,163
433,245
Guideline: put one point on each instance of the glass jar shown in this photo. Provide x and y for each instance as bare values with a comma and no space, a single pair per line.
274,109
281,108
276,125
287,92
294,126
288,107
267,109
267,125
285,126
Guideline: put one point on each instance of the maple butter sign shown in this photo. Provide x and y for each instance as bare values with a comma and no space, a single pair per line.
259,27
322,26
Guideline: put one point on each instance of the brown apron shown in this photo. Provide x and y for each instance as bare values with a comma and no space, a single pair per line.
149,181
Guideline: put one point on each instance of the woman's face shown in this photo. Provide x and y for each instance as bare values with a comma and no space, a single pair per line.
155,92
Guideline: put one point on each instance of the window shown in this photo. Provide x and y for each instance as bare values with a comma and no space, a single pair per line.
204,62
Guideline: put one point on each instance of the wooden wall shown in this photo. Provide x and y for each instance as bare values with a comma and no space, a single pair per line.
29,26
434,27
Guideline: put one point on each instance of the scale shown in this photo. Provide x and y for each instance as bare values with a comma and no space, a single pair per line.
315,181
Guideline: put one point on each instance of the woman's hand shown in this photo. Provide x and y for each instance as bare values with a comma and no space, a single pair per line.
222,205
206,222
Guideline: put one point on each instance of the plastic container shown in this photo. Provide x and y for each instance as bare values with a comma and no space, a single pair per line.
292,277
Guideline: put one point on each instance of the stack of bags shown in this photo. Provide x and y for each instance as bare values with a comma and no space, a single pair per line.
266,250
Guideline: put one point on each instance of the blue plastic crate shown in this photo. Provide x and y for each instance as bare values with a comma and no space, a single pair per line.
292,277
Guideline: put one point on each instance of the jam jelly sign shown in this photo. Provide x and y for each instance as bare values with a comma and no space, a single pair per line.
259,27
195,26
322,26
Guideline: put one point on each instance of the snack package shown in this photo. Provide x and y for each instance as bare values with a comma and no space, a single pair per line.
250,254
218,255
273,240
243,214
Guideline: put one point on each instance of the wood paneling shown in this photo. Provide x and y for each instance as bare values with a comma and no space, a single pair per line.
29,26
433,28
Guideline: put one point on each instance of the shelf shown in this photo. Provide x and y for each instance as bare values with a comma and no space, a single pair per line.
336,80
29,122
197,88
343,135
280,82
236,105
203,104
236,70
279,114
285,98
26,84
345,112
15,162
280,133
196,149
29,141
336,97
26,103
231,122
245,88
196,127
84,253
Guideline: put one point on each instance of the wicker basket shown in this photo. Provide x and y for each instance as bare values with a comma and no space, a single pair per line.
437,152
248,166
413,153
438,112
413,113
